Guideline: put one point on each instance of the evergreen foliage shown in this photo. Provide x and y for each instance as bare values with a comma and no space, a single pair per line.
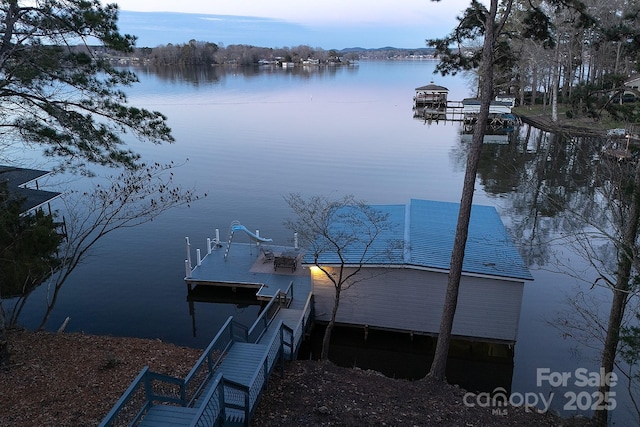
28,245
58,92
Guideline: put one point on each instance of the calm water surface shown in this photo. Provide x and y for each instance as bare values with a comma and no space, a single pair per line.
250,138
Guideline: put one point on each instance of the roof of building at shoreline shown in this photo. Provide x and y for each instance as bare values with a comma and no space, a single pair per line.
428,228
18,178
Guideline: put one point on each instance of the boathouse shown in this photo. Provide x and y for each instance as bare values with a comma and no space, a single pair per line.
407,294
430,96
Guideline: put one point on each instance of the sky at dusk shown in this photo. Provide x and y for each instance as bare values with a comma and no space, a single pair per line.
276,23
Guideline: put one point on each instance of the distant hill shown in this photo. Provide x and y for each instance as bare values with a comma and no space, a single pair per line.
416,51
389,52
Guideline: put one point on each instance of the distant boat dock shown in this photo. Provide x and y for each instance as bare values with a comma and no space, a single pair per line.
431,103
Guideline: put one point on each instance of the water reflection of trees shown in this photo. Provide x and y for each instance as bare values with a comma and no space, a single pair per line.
543,176
215,74
571,208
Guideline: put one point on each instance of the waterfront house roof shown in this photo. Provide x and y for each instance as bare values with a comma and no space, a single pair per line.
432,88
427,229
17,180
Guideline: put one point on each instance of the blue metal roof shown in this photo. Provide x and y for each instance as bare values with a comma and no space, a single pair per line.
350,231
489,248
428,229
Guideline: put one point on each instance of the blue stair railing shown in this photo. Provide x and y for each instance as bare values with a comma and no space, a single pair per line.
147,389
208,397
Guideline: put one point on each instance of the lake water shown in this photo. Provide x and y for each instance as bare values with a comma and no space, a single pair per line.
252,137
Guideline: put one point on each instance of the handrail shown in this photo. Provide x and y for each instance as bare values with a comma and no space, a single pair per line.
260,378
266,367
217,343
153,397
109,419
269,312
244,389
209,349
144,379
266,355
206,413
263,321
309,303
204,369
283,342
301,326
288,294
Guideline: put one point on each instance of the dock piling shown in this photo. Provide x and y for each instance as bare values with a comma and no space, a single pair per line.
188,251
187,269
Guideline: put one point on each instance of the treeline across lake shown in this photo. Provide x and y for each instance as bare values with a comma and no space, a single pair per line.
207,53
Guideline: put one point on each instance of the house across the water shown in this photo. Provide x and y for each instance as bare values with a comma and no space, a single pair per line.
407,293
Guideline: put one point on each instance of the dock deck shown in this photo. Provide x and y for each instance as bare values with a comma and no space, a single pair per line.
246,266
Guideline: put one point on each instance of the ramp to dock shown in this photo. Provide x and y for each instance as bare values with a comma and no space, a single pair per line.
226,383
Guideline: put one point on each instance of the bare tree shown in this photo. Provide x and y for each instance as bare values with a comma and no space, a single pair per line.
342,236
604,231
132,198
627,260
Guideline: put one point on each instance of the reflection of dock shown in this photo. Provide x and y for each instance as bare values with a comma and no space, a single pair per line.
449,111
240,297
501,139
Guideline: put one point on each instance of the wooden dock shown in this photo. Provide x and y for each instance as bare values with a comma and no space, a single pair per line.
246,266
465,112
225,385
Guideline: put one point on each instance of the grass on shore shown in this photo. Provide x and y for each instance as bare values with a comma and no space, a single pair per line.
542,114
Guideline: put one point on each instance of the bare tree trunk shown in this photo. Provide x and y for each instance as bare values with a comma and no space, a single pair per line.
555,83
534,82
522,87
620,295
326,339
438,367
